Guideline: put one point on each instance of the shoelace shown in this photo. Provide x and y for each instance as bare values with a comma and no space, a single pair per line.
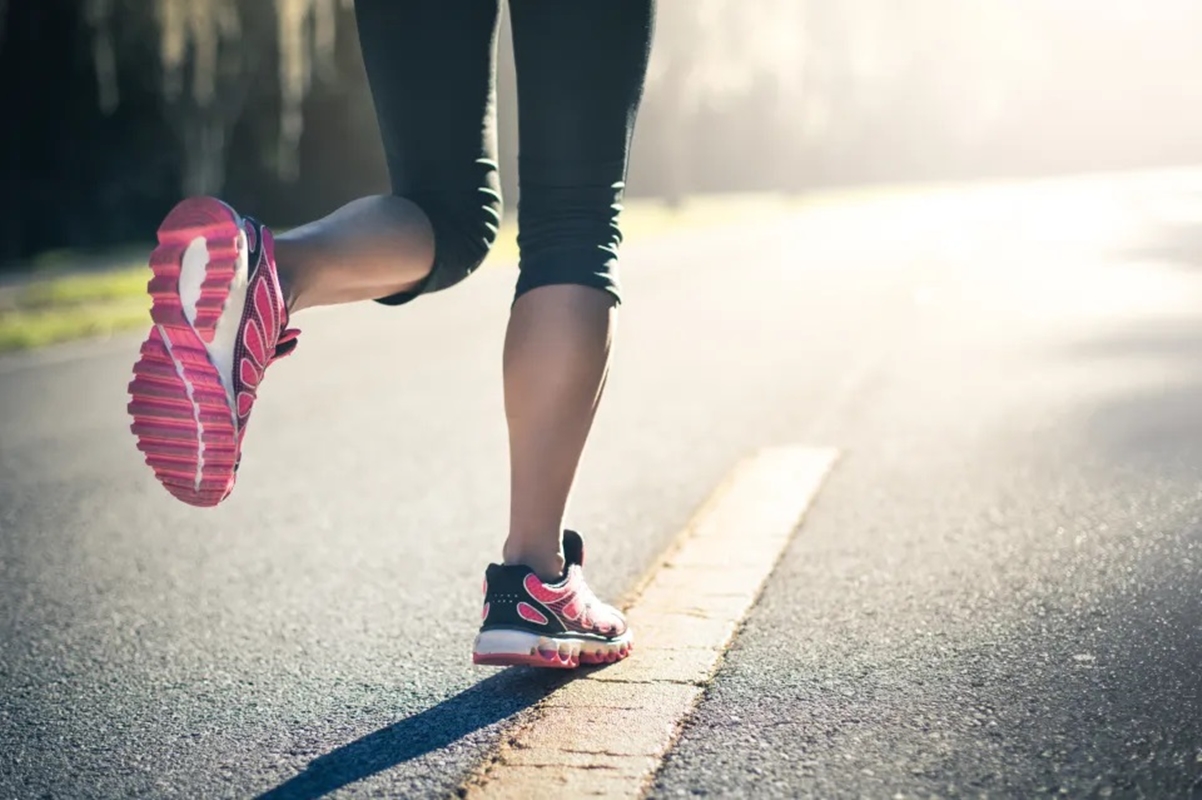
592,604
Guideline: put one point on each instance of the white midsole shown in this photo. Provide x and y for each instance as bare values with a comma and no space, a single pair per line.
193,270
225,333
200,428
510,642
192,273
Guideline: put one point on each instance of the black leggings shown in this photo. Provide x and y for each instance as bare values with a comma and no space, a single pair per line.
580,65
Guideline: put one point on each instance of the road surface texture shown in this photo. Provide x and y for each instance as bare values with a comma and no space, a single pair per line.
998,591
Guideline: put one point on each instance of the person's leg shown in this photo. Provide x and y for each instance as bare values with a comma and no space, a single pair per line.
580,72
430,65
371,247
224,288
580,75
555,360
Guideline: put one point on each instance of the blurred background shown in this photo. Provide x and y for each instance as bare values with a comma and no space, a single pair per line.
998,592
114,108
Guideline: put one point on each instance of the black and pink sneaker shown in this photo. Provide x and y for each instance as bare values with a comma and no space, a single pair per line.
220,320
532,623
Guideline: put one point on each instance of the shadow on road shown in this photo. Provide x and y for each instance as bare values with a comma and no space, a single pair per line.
1154,424
1137,700
488,702
1175,243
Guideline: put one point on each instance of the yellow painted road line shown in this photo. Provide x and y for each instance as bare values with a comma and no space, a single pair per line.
606,733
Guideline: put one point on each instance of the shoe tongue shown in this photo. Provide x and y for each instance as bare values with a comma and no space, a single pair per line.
573,549
254,240
286,343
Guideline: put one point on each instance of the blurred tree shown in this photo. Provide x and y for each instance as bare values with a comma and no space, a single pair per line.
115,107
706,55
211,56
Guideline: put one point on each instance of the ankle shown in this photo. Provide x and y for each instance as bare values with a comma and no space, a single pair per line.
286,277
548,565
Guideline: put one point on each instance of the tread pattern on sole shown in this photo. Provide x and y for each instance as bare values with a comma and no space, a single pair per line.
200,217
181,413
558,654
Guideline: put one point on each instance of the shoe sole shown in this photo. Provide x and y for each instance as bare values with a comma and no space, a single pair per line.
510,648
182,415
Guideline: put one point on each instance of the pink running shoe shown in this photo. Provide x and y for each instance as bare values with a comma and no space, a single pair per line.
528,622
220,320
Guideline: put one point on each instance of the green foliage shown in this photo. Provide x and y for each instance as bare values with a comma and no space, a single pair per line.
74,306
22,330
84,289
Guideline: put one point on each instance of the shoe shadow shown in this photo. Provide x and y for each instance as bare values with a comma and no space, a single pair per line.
488,702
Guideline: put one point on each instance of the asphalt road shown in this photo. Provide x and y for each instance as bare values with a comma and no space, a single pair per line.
998,592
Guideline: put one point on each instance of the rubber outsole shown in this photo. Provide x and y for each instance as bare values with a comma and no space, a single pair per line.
508,648
182,417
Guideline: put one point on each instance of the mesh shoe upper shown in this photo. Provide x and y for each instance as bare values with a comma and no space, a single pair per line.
515,597
264,335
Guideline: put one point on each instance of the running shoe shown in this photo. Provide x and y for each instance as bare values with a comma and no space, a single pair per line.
532,623
220,320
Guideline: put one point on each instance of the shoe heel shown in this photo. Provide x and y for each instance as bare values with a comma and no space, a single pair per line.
508,648
195,296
